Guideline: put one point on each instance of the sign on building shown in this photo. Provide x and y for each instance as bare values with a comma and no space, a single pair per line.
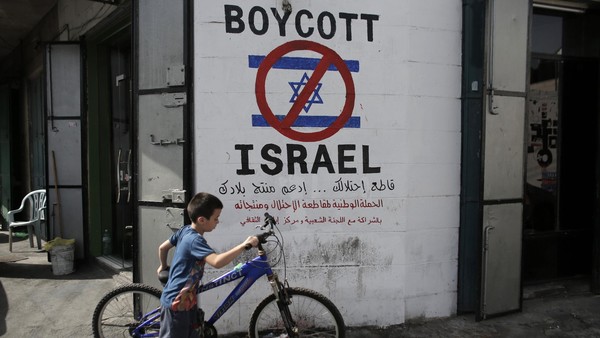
342,120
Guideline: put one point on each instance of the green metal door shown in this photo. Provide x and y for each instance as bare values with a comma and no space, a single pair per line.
5,189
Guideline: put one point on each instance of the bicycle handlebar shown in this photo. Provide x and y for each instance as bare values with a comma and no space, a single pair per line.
163,276
262,237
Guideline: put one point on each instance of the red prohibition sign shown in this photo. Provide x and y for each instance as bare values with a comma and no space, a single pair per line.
284,126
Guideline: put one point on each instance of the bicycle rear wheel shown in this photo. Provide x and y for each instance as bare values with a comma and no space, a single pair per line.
121,312
313,314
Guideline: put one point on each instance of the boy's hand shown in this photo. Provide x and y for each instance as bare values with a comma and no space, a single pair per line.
250,242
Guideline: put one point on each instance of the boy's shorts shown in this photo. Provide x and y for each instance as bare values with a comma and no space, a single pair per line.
176,324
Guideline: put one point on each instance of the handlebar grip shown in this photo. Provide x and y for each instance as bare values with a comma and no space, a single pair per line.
248,246
269,218
262,238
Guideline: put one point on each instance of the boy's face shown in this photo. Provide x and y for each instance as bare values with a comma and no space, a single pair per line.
208,225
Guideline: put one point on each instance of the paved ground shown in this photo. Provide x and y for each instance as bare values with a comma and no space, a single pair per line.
36,303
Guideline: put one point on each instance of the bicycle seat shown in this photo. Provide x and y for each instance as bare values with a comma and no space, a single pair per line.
163,276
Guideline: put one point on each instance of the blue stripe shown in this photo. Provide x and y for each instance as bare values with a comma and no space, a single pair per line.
308,121
299,63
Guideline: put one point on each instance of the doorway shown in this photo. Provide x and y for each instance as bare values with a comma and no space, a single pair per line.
110,137
562,150
121,149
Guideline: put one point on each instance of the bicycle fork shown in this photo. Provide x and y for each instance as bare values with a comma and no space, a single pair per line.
283,302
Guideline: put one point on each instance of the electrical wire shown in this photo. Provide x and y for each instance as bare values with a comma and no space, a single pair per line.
282,255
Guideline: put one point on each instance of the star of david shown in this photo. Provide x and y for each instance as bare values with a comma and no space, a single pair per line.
296,86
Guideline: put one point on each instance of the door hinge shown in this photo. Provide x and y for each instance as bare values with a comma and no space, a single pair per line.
174,218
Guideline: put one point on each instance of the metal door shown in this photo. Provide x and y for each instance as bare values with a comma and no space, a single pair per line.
161,119
503,155
64,134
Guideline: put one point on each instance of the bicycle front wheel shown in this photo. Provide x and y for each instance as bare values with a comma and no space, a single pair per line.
313,314
121,312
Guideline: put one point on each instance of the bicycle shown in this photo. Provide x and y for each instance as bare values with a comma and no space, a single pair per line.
134,310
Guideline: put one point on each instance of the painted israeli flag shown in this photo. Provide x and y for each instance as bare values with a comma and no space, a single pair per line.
303,63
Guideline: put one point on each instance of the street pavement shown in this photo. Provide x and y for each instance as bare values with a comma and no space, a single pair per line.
36,303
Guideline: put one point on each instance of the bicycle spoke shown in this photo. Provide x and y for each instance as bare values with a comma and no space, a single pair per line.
123,311
313,316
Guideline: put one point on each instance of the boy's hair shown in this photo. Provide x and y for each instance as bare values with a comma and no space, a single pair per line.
203,204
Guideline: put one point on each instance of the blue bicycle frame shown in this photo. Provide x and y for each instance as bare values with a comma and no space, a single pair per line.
148,320
251,271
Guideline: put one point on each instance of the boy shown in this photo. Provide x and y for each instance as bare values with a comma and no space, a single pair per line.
178,316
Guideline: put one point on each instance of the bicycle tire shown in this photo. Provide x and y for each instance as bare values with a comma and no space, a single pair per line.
314,314
120,309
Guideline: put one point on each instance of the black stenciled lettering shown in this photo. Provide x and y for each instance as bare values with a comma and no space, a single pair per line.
369,18
278,163
322,160
263,188
296,154
321,25
367,169
348,17
309,32
233,15
252,20
343,158
326,24
281,21
244,150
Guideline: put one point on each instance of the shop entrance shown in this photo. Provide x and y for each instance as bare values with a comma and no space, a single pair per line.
562,149
121,148
111,142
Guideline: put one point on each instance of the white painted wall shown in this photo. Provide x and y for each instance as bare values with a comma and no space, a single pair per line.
394,257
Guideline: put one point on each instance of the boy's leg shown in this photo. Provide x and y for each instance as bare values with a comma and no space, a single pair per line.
175,324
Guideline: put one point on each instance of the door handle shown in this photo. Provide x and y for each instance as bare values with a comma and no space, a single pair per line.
486,248
118,177
129,176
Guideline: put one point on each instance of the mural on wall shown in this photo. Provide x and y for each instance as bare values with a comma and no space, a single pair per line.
293,115
342,120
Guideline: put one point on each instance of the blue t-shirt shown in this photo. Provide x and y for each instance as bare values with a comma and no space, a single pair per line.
187,268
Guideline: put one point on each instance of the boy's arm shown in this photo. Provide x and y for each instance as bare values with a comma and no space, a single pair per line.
220,260
163,251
